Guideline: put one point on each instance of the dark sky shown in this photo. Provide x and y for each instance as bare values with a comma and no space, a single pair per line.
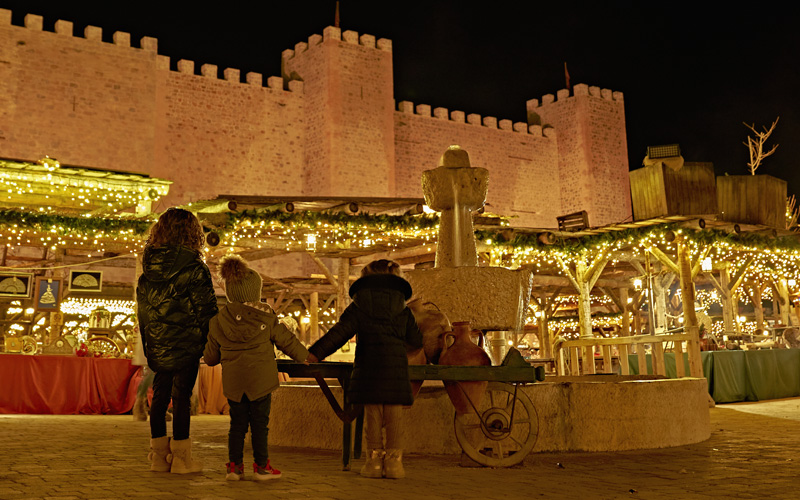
691,73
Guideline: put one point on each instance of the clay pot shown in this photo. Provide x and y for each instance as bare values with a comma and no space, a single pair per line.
433,324
464,352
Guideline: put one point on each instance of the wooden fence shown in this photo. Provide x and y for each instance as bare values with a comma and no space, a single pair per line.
577,357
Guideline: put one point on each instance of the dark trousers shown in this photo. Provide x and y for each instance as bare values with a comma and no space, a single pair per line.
256,415
176,386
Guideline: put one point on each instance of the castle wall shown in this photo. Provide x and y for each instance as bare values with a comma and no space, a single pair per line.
522,162
328,126
349,88
113,106
592,151
218,137
79,100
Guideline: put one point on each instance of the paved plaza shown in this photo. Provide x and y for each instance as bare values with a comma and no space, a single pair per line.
752,453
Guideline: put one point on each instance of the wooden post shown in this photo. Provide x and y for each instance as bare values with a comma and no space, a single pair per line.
626,322
642,358
607,365
623,359
758,306
689,316
727,301
680,370
313,311
574,363
343,286
784,306
584,279
657,356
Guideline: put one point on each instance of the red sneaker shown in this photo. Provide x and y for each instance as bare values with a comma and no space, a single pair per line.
235,471
265,473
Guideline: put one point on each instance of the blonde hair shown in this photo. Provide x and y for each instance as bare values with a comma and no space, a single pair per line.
176,226
382,266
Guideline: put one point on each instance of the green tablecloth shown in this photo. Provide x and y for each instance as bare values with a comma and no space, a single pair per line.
741,375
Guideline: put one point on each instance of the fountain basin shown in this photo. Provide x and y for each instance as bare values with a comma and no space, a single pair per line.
490,298
596,414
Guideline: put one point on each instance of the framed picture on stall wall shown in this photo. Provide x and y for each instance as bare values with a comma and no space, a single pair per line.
16,285
48,294
85,281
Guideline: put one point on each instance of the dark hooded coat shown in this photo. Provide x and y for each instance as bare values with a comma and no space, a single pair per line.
384,329
175,300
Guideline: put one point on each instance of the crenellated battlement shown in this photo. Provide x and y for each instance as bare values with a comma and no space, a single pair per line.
332,33
122,39
580,89
490,122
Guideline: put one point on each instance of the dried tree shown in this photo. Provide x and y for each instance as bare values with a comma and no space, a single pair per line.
756,145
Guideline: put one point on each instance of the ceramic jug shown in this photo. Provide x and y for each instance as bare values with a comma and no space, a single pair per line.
464,352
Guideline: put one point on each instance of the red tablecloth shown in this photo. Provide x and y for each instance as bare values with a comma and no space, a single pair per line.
67,385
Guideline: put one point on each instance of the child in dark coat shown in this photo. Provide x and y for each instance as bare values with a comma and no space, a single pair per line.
243,338
384,329
175,300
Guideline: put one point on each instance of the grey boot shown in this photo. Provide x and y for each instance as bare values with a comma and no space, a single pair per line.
160,456
182,462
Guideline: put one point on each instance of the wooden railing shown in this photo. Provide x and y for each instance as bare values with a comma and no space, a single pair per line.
577,357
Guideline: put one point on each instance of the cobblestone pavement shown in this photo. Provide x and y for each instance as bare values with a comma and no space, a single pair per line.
750,455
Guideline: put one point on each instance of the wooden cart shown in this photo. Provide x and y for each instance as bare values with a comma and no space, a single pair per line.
498,432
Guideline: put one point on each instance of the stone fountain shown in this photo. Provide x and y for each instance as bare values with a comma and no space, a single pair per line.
490,298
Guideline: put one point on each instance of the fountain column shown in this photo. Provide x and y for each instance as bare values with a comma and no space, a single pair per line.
455,189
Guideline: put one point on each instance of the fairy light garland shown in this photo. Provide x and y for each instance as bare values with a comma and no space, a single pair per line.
81,188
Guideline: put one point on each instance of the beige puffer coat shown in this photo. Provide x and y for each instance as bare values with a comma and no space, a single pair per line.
242,338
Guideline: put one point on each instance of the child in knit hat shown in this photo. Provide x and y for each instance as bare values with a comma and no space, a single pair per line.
242,337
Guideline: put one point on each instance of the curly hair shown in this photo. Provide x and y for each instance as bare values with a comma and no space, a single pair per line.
382,266
176,226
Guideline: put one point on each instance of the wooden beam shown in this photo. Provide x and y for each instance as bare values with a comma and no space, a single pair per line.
327,272
403,253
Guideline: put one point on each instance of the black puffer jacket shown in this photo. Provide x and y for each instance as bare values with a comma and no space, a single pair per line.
384,328
175,300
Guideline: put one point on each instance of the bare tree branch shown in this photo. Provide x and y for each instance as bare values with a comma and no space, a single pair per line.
755,145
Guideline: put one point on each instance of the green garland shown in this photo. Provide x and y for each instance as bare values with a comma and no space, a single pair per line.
589,243
337,219
72,224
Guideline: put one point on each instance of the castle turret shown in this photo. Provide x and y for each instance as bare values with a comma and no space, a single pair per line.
349,112
592,150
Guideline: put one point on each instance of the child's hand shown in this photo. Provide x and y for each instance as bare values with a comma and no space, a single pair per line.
311,359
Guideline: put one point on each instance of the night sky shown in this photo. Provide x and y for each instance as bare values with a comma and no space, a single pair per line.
691,73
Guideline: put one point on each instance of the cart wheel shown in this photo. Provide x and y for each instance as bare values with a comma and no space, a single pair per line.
500,439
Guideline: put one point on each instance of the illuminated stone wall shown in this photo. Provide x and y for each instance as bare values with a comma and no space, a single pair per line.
592,150
329,126
521,161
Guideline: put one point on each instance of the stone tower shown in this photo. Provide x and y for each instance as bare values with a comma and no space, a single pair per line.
592,150
349,112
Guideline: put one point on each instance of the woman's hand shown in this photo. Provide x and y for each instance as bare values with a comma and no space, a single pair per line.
311,359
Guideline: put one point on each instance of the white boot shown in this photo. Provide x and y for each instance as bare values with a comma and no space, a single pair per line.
160,456
182,462
393,464
374,465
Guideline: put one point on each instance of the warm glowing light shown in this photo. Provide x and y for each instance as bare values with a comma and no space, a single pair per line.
706,265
